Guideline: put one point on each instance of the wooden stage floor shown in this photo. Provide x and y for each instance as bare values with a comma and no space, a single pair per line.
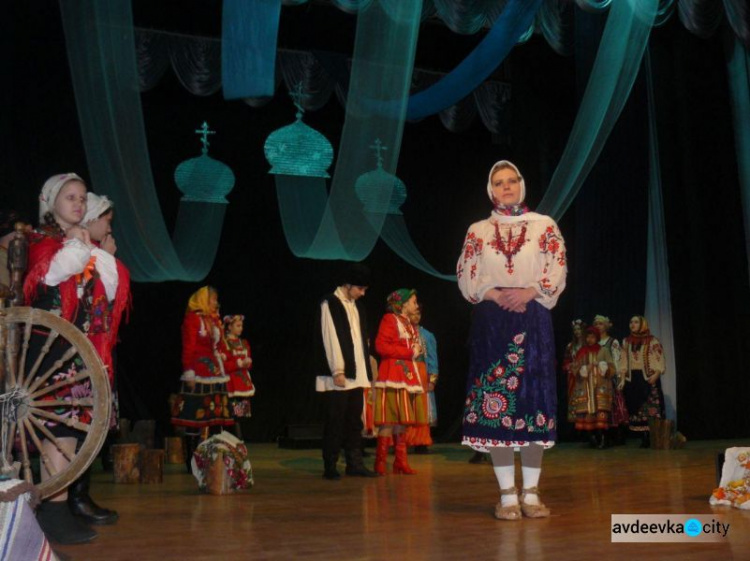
443,512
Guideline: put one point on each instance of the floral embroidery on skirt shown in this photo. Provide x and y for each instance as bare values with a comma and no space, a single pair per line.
511,389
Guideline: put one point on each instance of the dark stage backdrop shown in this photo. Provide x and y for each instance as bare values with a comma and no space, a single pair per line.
445,174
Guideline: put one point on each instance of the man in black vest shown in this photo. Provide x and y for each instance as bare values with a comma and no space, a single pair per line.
344,372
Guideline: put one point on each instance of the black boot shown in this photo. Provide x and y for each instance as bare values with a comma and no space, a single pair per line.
355,466
329,467
603,440
238,430
593,442
646,439
60,526
82,505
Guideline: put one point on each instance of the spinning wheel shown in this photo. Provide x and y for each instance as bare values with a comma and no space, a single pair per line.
54,379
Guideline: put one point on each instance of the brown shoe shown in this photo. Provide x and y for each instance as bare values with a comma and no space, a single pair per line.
510,512
533,511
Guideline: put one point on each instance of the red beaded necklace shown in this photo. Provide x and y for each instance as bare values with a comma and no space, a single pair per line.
510,246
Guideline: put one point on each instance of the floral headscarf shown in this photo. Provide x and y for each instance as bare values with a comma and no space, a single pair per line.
643,336
96,206
229,320
586,348
605,320
398,298
199,301
516,209
51,189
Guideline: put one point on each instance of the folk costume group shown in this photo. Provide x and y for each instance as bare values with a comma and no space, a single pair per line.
614,387
400,401
216,384
512,270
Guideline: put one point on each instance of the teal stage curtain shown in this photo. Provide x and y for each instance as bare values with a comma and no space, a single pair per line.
249,31
319,225
616,66
658,294
514,22
738,70
99,39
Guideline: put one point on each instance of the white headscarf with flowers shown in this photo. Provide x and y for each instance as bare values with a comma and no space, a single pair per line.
96,205
499,216
51,189
500,164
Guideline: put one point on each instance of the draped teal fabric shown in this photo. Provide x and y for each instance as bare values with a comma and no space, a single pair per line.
336,226
553,23
396,235
615,69
333,225
664,12
513,23
386,31
249,31
738,70
99,39
658,295
594,5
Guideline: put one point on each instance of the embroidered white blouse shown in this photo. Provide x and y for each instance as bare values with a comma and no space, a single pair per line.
72,260
513,252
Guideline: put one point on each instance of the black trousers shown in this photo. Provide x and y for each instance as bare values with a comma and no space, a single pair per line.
343,426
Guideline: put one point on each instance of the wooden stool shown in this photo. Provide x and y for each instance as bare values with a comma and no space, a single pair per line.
126,459
661,433
152,466
174,450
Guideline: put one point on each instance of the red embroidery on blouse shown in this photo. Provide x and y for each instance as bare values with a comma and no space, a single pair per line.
550,243
509,247
546,287
473,246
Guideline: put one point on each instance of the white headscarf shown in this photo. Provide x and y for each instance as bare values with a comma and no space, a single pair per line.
505,163
51,189
96,205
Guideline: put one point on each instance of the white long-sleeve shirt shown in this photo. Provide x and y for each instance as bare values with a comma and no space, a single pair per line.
72,260
333,348
513,252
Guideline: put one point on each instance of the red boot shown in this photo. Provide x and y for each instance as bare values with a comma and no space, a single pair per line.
401,464
381,454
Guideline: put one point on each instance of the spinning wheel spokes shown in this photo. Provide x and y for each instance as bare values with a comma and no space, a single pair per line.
38,381
42,355
64,394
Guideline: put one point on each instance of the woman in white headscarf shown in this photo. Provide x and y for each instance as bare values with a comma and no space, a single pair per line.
66,273
106,304
513,269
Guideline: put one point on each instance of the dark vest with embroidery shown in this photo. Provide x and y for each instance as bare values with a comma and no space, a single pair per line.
344,335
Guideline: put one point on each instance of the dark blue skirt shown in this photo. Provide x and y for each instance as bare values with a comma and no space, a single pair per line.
511,388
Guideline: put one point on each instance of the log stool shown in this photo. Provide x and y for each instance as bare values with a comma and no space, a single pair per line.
152,466
174,450
126,459
661,433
